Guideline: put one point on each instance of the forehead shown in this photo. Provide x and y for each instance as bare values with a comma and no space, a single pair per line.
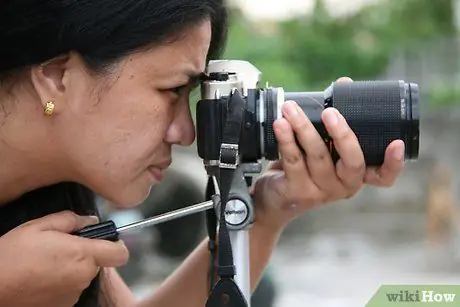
186,55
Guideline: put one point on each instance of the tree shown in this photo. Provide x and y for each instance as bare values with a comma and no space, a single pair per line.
324,48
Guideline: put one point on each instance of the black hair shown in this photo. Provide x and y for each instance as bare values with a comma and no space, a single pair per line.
102,32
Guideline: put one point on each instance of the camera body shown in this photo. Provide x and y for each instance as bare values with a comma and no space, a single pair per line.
377,111
262,106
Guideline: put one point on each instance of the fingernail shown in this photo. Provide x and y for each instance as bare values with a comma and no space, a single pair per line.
280,127
299,109
399,153
279,130
291,108
93,218
331,118
292,207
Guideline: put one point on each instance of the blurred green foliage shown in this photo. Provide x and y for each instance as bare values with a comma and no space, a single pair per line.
248,42
309,52
444,96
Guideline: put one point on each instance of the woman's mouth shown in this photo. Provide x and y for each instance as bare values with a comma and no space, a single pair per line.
156,172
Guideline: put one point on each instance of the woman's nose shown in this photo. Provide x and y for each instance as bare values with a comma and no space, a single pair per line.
182,130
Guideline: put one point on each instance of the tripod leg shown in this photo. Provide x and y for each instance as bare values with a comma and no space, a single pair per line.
240,246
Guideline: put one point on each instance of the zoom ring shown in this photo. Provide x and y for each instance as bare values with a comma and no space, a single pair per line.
373,110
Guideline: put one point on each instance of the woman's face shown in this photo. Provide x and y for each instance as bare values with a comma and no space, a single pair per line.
118,130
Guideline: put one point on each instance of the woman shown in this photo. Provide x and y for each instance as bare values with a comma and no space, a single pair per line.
93,95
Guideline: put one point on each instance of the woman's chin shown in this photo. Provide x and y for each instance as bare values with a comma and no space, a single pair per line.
129,199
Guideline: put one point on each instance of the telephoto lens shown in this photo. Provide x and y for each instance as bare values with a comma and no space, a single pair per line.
378,112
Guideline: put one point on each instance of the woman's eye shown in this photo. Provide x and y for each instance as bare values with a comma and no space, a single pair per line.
178,90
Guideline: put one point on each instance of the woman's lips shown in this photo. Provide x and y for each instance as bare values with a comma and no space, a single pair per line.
156,172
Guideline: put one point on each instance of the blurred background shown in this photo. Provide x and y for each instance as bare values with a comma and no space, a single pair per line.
340,254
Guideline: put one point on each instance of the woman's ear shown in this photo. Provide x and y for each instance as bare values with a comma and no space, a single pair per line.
48,80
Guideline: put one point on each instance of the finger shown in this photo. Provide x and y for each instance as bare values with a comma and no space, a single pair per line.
275,165
319,160
344,79
351,166
393,165
291,156
65,221
107,253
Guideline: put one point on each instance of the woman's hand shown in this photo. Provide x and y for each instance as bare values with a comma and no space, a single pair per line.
296,183
42,265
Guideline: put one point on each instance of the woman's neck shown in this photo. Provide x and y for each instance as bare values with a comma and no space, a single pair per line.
28,158
21,172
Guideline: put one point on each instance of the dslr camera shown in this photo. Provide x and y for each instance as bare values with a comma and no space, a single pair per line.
377,111
234,122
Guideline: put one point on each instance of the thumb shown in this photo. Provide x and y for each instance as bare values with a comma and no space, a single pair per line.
107,253
270,189
275,165
344,80
65,221
271,196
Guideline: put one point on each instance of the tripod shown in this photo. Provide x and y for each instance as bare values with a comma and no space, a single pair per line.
235,212
238,217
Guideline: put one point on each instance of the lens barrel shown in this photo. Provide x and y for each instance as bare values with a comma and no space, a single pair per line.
378,112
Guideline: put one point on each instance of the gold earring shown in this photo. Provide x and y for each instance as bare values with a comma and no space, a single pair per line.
49,108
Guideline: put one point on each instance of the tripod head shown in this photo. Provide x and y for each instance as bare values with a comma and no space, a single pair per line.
235,213
229,178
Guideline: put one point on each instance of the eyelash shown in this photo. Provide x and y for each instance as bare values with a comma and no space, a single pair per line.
178,90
